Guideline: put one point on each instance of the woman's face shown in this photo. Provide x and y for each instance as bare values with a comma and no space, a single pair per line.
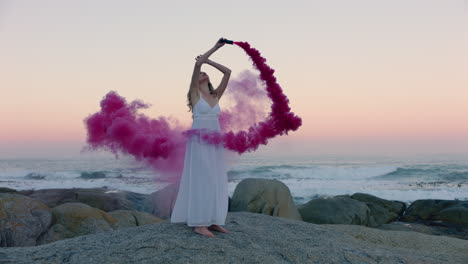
204,77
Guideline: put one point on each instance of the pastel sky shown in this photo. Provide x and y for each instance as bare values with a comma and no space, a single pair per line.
365,76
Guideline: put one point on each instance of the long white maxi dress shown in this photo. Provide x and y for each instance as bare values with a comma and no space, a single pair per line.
202,199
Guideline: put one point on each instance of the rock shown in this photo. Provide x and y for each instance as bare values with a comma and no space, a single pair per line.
164,200
335,210
264,196
22,220
54,233
77,219
102,198
6,190
381,211
437,230
450,211
253,238
124,218
127,218
457,214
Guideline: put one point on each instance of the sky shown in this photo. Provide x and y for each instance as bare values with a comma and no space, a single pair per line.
365,76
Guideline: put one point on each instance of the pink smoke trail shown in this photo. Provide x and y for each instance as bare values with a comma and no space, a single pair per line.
281,119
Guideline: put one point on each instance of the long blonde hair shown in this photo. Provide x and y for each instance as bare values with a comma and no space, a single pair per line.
189,98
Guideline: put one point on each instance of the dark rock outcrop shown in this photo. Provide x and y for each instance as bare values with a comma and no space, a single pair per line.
381,211
450,211
335,210
7,190
357,209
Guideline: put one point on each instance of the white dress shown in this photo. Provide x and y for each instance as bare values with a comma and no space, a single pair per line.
202,199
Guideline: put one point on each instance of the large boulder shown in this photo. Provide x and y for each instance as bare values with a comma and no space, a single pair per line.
253,238
76,219
264,196
381,211
22,220
450,211
339,209
102,198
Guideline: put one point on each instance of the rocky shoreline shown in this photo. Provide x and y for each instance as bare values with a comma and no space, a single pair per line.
362,228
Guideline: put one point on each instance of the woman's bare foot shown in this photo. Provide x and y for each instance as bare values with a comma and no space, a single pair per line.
218,228
202,230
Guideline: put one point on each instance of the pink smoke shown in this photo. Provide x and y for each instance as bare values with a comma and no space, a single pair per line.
119,128
280,120
250,102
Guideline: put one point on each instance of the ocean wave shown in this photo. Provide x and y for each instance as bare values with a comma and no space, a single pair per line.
265,169
429,173
93,175
35,176
310,172
455,176
410,172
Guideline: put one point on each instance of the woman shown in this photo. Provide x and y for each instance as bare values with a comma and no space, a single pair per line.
202,200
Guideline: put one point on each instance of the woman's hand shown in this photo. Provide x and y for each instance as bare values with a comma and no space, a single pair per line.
198,57
206,61
203,58
219,44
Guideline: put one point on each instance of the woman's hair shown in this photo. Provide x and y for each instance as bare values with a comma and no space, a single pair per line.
189,98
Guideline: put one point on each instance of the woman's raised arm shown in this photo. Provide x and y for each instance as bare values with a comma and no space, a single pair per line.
200,60
224,82
218,66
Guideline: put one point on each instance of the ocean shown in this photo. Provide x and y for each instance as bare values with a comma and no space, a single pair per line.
402,178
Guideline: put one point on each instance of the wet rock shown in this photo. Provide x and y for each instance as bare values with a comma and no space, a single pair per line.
339,209
451,211
381,211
